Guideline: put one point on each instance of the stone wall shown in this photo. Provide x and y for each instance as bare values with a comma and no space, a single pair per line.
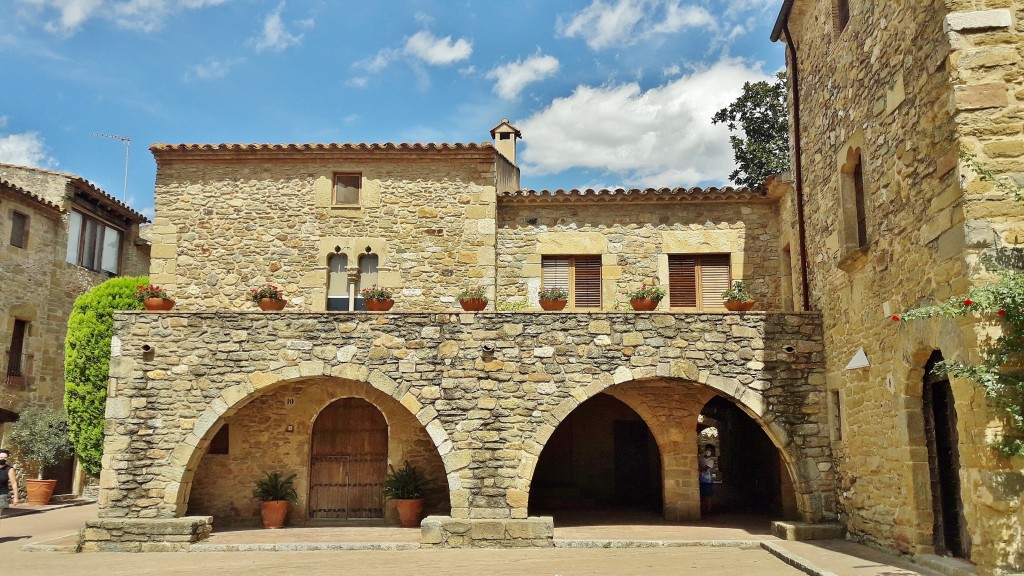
232,221
634,236
884,85
488,390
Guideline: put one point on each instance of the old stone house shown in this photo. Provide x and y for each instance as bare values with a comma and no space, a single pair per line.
884,95
59,236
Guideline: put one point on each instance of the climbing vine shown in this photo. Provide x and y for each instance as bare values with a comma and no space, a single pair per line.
1000,371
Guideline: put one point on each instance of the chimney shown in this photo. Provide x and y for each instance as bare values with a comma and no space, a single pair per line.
505,136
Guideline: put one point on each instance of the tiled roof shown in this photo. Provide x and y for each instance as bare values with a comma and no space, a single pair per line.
712,193
159,147
30,195
88,186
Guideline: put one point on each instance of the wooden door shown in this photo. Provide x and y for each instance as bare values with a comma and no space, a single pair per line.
950,528
348,461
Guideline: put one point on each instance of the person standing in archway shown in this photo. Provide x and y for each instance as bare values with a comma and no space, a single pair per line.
8,481
707,463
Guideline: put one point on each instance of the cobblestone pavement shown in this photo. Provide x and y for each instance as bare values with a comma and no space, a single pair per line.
828,557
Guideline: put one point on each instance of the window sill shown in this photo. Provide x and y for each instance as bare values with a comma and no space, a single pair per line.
854,260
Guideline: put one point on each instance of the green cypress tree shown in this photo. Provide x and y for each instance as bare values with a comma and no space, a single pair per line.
87,362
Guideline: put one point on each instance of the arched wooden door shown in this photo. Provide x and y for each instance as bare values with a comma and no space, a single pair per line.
348,462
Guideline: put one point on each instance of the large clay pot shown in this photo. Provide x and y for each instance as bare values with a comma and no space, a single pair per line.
379,305
158,304
39,491
644,304
473,304
409,512
271,305
739,305
553,304
274,513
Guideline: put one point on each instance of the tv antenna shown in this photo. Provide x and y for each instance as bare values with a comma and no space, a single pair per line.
127,146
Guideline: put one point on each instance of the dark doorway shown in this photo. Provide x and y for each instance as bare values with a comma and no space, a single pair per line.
950,527
602,456
750,470
348,462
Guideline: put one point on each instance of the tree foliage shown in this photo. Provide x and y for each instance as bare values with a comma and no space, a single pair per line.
762,116
41,437
1001,369
87,362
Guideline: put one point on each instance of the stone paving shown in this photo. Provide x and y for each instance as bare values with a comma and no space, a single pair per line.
741,547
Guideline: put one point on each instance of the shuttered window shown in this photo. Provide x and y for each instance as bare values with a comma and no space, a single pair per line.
698,280
580,275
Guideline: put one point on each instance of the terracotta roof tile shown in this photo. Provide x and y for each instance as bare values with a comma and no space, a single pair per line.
712,193
88,185
160,147
30,195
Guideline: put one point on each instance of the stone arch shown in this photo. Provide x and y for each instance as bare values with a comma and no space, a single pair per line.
802,470
185,458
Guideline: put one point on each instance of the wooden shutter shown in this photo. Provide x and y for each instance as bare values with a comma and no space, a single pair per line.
587,282
714,279
555,272
682,281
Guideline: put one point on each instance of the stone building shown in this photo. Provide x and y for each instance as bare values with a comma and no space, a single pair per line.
884,95
60,236
513,412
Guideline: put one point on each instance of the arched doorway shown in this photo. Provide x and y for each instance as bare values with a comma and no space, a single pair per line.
601,457
752,478
950,528
348,461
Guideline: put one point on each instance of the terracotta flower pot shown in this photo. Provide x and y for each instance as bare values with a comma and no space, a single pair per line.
379,305
473,304
39,491
158,304
739,305
409,512
274,513
553,304
269,304
644,304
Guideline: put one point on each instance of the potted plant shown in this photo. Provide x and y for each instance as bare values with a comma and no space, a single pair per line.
738,298
553,298
42,439
406,487
275,494
646,298
473,299
154,298
268,297
377,299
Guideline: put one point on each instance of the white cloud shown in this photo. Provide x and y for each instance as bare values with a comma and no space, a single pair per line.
275,36
513,77
380,61
437,51
25,149
624,22
358,81
213,68
659,137
67,16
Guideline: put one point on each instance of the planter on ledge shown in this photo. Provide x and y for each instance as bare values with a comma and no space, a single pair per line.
644,304
158,304
553,304
271,305
473,304
379,305
739,305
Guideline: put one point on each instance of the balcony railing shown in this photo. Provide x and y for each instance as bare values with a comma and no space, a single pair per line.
19,366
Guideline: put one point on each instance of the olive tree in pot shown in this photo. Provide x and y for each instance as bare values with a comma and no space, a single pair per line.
275,494
42,440
406,487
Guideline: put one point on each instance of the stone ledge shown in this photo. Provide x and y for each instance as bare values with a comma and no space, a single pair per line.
449,532
977,20
144,534
807,530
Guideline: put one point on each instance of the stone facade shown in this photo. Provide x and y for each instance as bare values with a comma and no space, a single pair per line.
909,84
39,286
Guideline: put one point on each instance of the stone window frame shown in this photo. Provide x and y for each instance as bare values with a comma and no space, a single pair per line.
335,177
80,258
19,232
353,249
571,279
698,288
835,415
841,16
853,166
16,365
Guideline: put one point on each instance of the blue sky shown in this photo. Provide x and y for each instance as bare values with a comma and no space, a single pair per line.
606,92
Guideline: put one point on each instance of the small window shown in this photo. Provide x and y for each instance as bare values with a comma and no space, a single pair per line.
221,441
841,14
837,416
854,202
579,275
16,352
698,280
346,189
93,244
19,230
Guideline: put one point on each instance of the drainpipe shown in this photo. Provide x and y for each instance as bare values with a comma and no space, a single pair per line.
797,156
